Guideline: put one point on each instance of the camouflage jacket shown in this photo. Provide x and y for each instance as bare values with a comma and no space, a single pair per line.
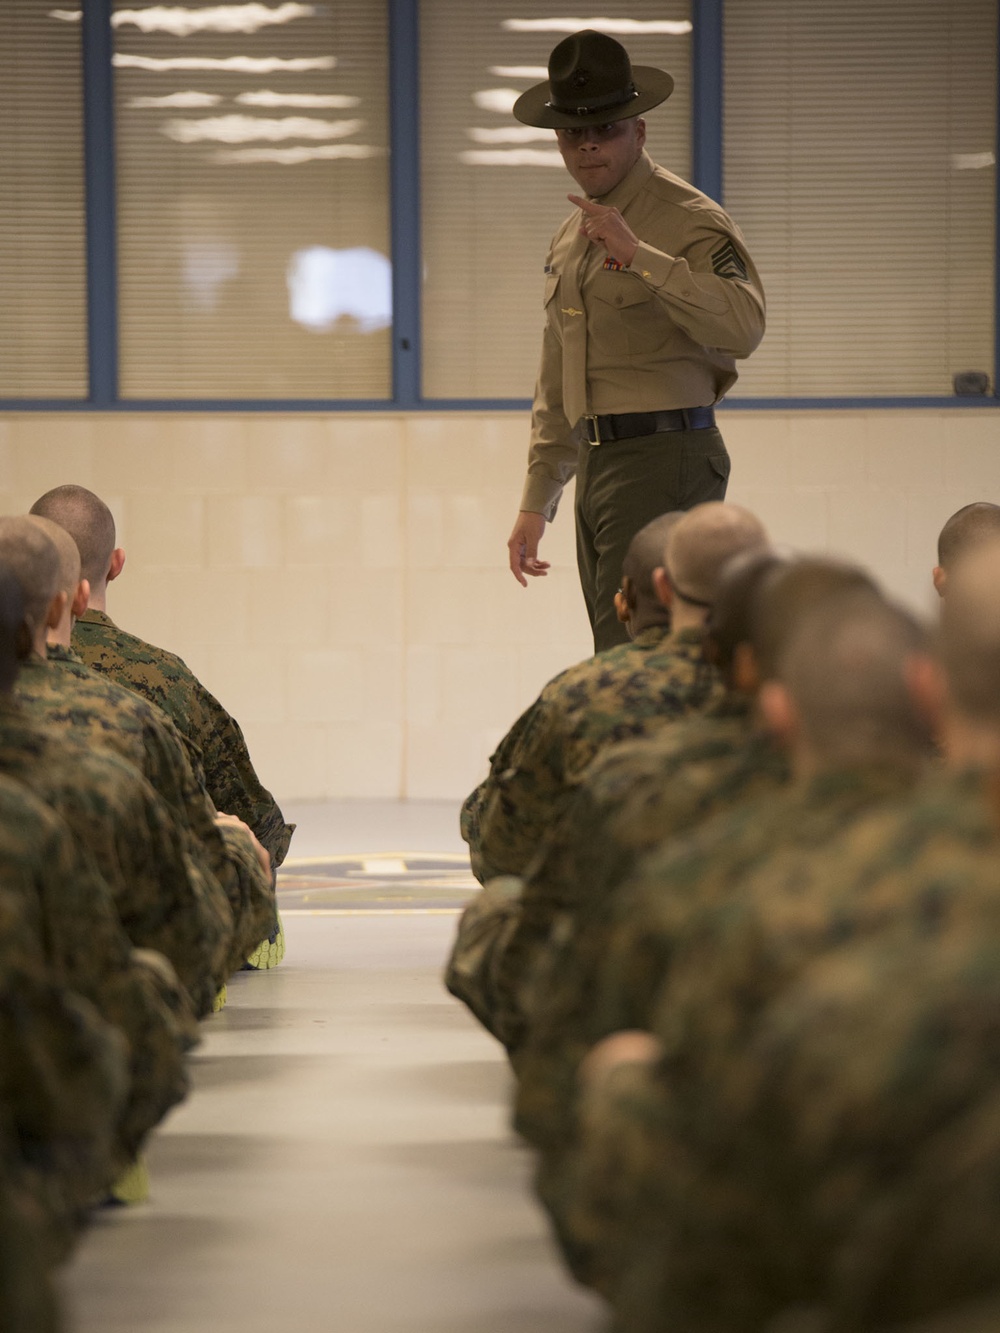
852,1123
162,899
625,692
63,1085
830,1013
654,921
96,709
635,797
69,909
168,682
29,1244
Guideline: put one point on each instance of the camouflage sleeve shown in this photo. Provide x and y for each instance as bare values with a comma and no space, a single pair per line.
62,1084
483,932
252,899
470,819
30,1243
524,798
232,780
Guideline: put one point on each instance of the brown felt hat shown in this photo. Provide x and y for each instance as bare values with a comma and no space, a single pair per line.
592,82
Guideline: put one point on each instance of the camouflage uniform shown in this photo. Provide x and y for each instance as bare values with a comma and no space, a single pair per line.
63,1084
635,797
65,693
26,1295
162,900
652,920
628,691
68,907
807,1084
625,692
168,682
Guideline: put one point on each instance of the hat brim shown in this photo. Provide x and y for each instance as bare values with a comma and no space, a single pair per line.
653,86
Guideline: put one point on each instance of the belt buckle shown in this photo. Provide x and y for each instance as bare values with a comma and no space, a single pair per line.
593,429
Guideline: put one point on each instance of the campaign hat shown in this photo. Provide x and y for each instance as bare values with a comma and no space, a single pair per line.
592,82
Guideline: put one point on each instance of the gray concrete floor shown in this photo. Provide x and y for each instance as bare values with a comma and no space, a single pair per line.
344,1162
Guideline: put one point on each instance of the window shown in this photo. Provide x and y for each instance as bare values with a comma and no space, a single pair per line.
494,191
253,219
860,144
43,285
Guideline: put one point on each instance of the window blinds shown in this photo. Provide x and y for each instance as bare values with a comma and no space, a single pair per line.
494,191
860,143
43,296
253,219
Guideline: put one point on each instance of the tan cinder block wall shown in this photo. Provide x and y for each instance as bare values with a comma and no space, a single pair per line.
339,580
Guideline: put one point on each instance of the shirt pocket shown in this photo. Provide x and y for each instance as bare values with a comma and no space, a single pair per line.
619,291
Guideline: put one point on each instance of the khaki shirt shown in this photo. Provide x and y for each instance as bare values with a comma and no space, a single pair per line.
663,333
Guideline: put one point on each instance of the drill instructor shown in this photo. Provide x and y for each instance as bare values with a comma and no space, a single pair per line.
650,296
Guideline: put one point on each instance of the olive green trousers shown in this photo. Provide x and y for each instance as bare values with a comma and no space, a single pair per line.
621,485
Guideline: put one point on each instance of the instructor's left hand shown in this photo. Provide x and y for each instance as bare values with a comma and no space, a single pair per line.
604,225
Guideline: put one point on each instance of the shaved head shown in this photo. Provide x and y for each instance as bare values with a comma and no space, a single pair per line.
88,520
701,543
69,554
11,626
645,552
730,619
845,667
967,527
31,556
970,632
791,590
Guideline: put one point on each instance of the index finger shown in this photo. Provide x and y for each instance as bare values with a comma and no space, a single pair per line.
585,204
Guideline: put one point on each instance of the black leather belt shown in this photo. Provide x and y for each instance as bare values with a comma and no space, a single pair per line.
633,425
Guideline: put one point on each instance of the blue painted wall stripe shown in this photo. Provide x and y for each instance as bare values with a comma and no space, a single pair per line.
404,186
706,97
99,184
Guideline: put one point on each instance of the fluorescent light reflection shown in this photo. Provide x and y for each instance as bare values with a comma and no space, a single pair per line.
519,71
244,129
496,99
973,161
206,267
307,101
188,101
624,27
326,286
293,157
510,134
511,157
182,22
229,64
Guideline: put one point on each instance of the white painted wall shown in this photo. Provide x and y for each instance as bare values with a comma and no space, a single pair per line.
340,581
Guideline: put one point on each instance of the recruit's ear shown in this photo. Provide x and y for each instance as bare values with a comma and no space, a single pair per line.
940,578
55,612
927,686
780,714
663,588
81,599
117,564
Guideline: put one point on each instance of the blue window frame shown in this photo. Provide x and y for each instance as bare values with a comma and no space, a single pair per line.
99,129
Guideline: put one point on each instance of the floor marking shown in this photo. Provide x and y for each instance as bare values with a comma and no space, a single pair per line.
376,858
371,911
384,865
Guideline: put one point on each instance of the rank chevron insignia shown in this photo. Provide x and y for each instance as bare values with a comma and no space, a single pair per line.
727,263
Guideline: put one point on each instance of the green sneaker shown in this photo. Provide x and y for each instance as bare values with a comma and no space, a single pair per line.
269,952
220,1000
131,1187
